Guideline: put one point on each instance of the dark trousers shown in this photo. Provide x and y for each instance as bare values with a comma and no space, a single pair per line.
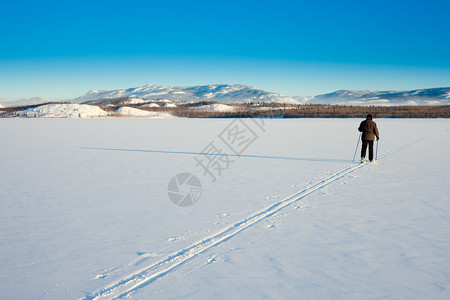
364,147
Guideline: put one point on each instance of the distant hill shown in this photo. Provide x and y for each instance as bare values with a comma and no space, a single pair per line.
433,96
238,93
222,93
26,101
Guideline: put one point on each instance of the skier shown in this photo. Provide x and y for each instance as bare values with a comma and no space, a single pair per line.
369,131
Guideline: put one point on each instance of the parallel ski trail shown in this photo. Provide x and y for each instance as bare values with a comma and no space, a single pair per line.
152,272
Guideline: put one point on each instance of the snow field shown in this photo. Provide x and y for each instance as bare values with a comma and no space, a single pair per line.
75,221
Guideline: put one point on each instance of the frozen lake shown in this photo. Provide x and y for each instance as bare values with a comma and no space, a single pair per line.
85,210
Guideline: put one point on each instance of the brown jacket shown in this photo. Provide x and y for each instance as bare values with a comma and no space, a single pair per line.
369,130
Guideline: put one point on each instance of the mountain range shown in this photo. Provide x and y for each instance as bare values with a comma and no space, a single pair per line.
238,93
25,101
432,96
222,93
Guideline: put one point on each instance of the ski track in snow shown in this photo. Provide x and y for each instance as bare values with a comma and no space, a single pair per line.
148,274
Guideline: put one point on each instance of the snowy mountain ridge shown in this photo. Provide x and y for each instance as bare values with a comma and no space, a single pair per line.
25,101
432,96
222,93
238,93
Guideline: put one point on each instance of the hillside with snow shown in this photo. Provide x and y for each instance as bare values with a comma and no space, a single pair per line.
222,93
25,101
434,96
139,113
217,108
238,93
64,111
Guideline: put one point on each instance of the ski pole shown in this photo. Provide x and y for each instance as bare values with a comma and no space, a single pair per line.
376,152
357,144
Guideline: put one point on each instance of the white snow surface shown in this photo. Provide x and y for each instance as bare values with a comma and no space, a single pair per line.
65,111
217,108
134,101
151,105
85,212
169,105
135,112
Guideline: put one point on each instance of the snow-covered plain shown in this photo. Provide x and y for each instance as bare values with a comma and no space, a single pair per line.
76,218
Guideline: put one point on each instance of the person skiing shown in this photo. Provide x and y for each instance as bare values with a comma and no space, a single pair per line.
369,132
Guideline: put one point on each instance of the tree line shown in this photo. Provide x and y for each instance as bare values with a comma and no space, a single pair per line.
269,110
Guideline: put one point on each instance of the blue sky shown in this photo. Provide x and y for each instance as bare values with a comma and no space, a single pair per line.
62,49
